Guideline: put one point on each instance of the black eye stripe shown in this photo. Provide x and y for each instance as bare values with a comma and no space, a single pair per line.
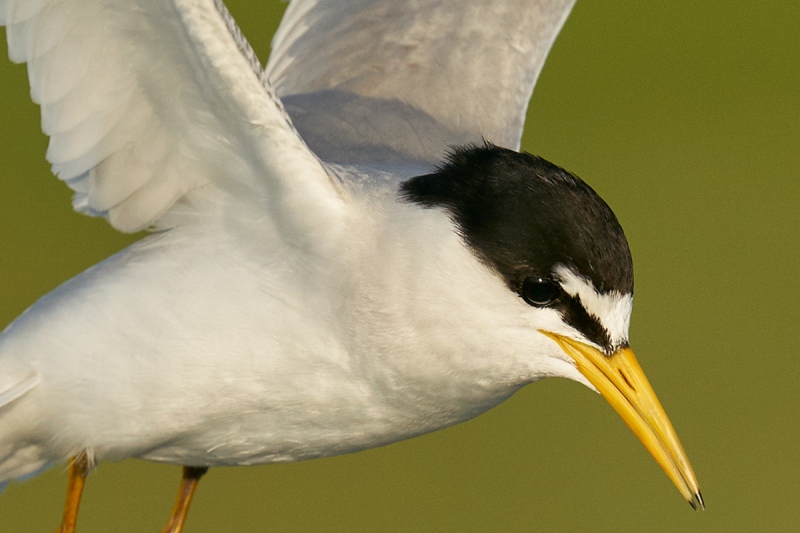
543,292
574,314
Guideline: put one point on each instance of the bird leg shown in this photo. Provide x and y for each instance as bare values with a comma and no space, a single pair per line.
191,476
78,470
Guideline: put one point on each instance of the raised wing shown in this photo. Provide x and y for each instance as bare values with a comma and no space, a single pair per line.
147,100
406,79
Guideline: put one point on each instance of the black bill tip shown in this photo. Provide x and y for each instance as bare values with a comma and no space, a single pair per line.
697,502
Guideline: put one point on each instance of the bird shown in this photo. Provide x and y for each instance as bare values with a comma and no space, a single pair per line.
346,247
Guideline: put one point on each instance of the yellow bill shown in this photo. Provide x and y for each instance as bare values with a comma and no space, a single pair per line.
622,382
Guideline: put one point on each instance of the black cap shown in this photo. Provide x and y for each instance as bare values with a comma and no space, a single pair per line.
523,216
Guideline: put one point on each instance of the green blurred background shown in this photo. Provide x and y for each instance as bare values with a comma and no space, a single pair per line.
685,116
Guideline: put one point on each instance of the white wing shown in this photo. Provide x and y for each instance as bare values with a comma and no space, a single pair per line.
147,100
367,79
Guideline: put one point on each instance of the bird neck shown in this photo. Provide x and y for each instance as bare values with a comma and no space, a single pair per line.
429,353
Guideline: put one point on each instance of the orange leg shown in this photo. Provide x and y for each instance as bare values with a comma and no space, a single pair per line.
78,470
191,476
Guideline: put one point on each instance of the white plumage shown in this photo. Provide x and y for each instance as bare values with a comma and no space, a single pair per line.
210,343
290,306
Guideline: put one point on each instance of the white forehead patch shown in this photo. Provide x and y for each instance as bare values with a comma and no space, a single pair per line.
612,310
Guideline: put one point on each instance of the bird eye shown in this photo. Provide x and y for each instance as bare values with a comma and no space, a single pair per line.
539,292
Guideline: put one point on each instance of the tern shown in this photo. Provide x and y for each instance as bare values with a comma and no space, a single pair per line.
347,247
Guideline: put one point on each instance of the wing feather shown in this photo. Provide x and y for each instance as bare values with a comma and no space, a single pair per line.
467,67
146,101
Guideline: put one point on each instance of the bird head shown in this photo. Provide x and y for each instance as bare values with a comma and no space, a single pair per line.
554,243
